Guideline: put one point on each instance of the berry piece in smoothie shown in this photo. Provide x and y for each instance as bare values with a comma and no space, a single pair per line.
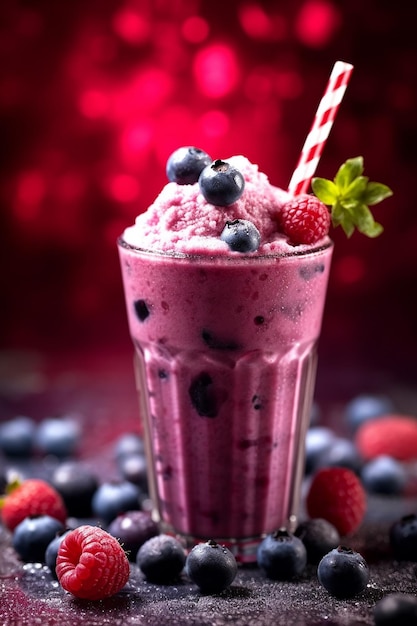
217,343
221,183
211,567
343,572
32,536
91,564
141,310
185,165
282,555
202,395
305,219
241,236
403,538
161,559
396,609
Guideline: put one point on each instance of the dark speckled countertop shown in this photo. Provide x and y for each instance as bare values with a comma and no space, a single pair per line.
102,392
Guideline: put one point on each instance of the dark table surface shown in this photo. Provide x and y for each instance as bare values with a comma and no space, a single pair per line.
100,390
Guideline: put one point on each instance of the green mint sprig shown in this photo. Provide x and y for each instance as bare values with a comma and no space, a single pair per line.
349,195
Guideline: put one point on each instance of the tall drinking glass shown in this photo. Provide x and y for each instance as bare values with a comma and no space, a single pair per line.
226,353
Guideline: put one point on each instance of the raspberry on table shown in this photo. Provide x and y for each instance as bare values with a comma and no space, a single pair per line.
31,497
91,564
391,435
304,219
337,495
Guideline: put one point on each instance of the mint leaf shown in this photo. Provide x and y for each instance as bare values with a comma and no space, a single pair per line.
357,188
325,190
347,172
376,192
349,195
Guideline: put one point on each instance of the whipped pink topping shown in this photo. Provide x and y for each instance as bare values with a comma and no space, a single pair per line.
182,221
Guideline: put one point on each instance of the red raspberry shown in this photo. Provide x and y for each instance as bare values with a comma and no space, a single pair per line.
305,219
337,495
392,435
91,564
31,497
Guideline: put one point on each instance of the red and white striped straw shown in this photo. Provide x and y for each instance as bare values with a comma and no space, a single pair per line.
321,127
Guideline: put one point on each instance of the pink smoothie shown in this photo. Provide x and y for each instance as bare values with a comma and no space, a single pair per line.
226,344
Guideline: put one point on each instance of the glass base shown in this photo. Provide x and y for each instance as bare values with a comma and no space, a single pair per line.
244,549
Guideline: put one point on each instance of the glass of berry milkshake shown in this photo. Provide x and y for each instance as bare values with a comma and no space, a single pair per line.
225,312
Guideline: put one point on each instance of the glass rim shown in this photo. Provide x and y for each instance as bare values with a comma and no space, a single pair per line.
213,258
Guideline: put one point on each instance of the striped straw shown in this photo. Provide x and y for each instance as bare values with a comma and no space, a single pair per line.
320,129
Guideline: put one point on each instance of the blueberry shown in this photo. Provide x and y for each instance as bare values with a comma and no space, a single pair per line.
127,444
58,436
221,184
185,165
77,485
17,436
113,498
282,555
32,536
51,551
396,609
341,453
132,529
134,469
319,440
343,572
211,567
366,406
384,475
319,537
403,538
241,236
161,559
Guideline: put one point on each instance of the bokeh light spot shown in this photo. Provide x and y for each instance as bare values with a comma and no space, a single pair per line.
123,188
214,124
216,70
288,85
257,24
93,104
349,269
317,22
31,189
147,90
135,140
131,26
195,29
259,85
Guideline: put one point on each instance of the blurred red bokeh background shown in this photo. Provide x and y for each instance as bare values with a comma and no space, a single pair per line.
94,96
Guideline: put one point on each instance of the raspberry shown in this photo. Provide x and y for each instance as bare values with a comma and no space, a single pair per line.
337,495
305,219
389,435
91,564
31,497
